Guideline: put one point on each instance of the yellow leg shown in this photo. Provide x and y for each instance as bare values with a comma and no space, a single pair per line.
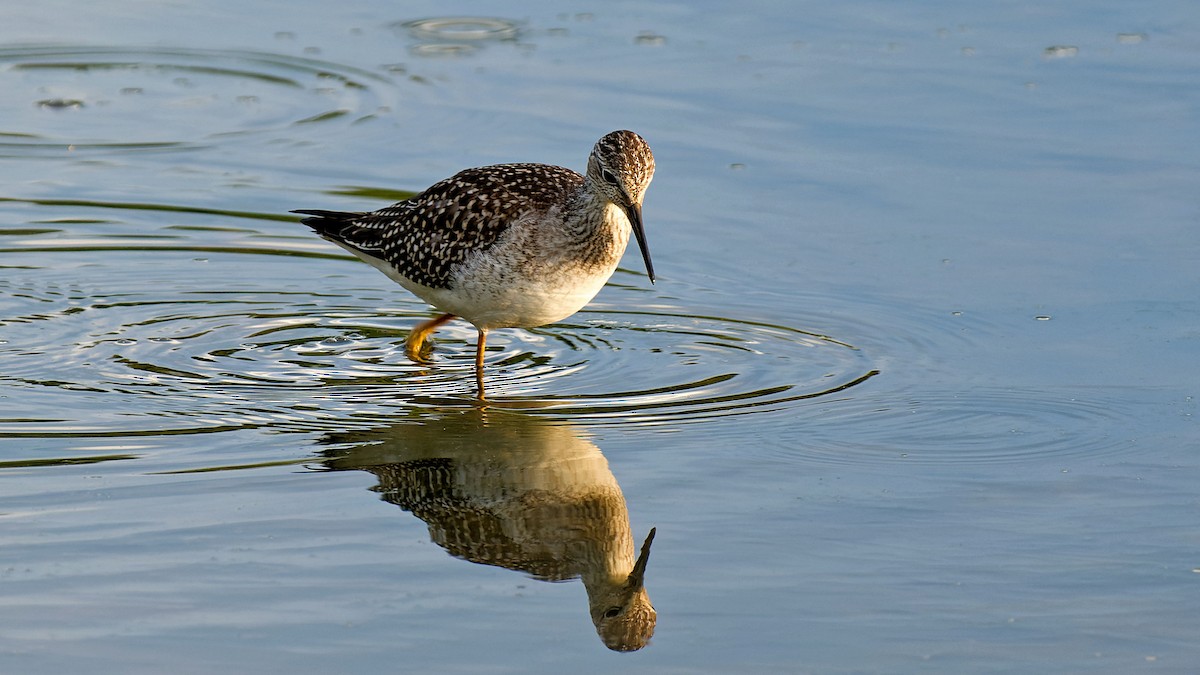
414,346
480,344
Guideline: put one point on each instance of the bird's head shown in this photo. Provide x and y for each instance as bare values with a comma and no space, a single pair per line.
621,167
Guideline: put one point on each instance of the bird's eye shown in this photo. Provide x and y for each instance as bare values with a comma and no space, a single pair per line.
609,177
612,612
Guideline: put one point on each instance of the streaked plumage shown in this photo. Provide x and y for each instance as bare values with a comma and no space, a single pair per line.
509,245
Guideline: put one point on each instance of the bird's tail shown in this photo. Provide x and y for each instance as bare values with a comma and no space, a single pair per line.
328,222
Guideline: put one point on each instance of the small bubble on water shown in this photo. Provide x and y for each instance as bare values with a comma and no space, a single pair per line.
737,166
1060,51
125,342
248,346
650,38
60,104
131,91
956,313
285,35
1042,317
1130,38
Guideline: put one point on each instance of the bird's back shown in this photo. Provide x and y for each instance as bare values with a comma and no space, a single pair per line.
423,238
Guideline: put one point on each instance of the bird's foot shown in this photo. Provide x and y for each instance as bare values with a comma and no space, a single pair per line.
419,350
418,347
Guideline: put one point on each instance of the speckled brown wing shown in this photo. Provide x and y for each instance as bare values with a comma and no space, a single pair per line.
425,237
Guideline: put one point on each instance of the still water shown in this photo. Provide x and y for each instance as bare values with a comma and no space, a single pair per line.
915,391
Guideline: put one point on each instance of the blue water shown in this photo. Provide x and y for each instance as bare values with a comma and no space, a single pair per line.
915,390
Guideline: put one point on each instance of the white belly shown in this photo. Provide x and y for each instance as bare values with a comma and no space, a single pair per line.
526,279
516,301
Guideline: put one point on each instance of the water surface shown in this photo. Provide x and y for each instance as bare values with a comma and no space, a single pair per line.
915,391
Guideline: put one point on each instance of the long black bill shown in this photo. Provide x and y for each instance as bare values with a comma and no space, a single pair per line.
637,578
634,212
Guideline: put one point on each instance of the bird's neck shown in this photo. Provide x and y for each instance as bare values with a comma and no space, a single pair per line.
596,228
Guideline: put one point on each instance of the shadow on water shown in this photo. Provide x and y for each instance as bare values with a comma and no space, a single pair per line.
518,492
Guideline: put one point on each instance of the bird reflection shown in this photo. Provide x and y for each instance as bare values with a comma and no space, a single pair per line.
516,491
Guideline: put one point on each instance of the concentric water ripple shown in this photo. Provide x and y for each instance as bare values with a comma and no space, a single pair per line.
76,98
654,366
213,359
977,425
168,319
173,319
455,36
242,322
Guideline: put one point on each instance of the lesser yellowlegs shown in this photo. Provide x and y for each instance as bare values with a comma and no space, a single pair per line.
509,245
